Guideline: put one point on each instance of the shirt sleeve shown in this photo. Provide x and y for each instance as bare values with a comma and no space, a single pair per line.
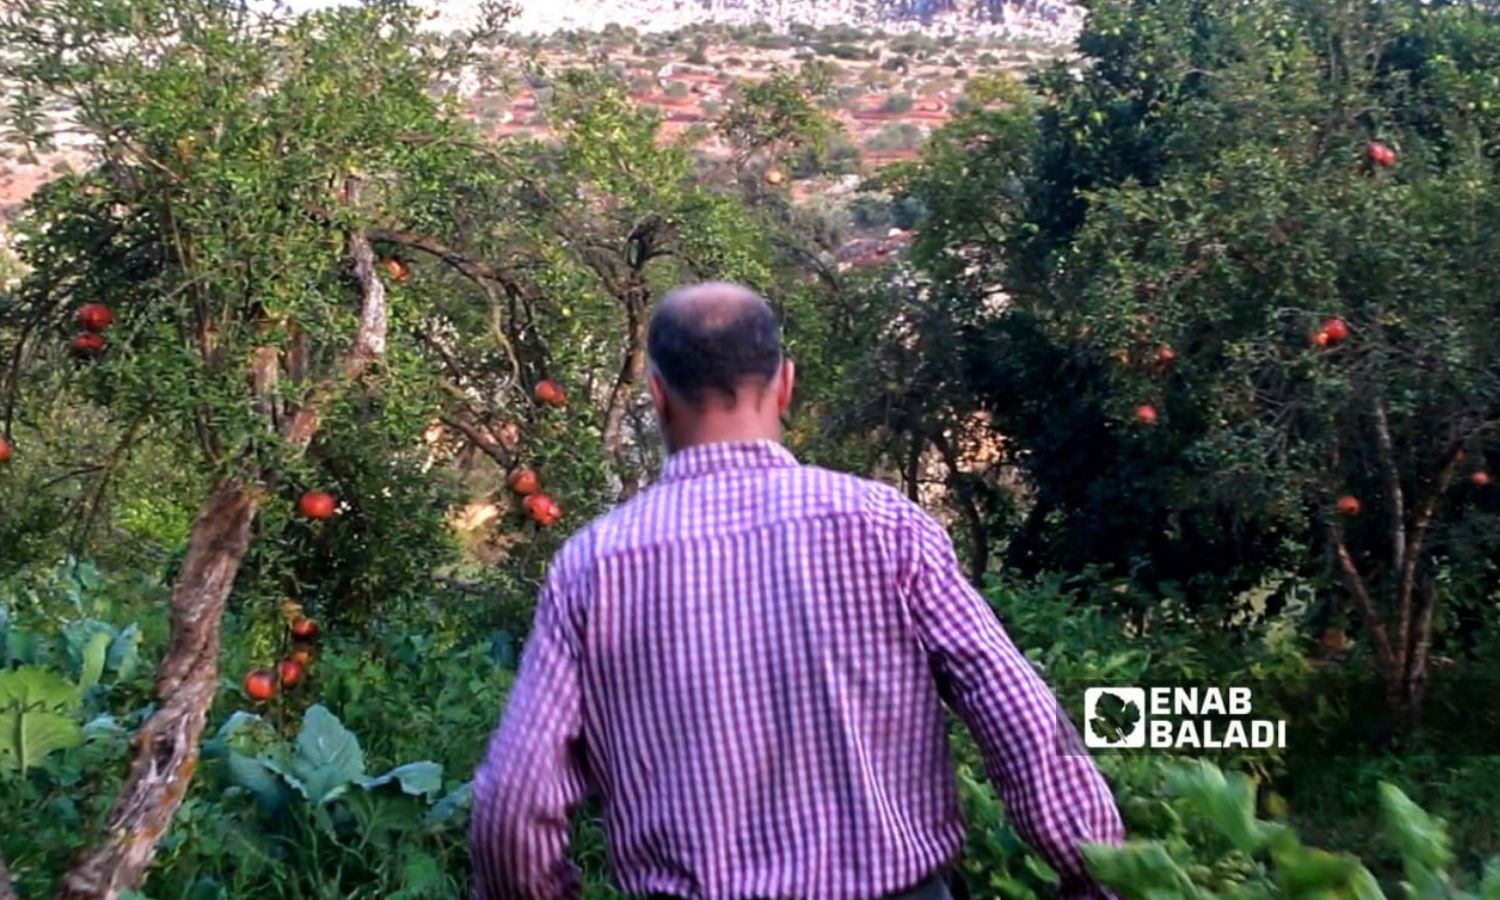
534,775
1052,790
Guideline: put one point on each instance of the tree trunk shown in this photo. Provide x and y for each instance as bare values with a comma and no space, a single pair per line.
1418,652
632,368
958,481
166,748
7,890
913,471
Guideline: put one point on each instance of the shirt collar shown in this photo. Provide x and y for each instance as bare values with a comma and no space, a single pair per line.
702,459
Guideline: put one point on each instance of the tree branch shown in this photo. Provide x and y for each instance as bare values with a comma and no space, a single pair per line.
1396,505
7,890
473,269
1396,498
979,550
1384,651
487,446
481,273
632,366
1418,652
265,370
1422,525
369,341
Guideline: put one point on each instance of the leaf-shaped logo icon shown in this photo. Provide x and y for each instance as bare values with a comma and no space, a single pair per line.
1114,718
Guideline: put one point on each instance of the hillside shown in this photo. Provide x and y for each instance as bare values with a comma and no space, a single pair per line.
900,70
1046,20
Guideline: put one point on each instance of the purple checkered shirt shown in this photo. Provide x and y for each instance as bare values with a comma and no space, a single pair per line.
748,660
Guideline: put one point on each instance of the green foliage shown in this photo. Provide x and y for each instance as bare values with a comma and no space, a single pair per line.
896,136
317,822
1204,187
38,711
844,51
897,103
325,764
1172,231
781,112
1221,848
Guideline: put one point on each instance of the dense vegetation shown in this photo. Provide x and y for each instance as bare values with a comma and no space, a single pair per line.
1195,348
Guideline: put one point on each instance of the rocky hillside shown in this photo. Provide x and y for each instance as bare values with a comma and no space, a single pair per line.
1049,21
901,69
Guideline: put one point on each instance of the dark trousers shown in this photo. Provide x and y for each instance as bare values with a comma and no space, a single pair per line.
941,886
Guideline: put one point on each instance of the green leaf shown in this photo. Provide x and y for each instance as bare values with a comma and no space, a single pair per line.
458,800
124,652
255,776
1366,887
1302,871
101,726
1227,802
87,645
38,716
1417,836
420,874
237,723
1139,870
95,652
418,779
1489,888
328,757
20,646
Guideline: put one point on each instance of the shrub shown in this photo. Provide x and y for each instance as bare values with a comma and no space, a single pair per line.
843,51
894,137
897,103
870,212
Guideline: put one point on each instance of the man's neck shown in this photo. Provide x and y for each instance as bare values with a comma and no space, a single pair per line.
725,434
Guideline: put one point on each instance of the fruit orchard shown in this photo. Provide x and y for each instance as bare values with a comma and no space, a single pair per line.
305,379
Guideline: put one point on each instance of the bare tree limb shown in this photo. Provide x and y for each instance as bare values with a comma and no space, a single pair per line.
369,342
810,261
1395,497
473,269
1422,524
486,445
477,271
1384,651
1419,651
632,366
265,370
1417,641
1396,506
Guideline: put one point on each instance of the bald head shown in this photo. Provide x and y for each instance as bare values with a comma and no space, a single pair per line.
714,339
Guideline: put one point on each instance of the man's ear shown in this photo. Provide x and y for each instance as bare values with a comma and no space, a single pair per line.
785,385
659,399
